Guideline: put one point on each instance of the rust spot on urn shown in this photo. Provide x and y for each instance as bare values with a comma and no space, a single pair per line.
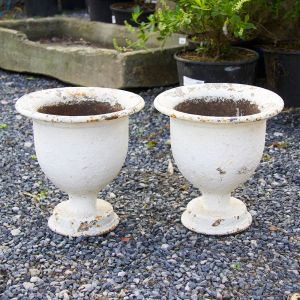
85,226
111,118
92,120
243,170
79,94
217,222
221,172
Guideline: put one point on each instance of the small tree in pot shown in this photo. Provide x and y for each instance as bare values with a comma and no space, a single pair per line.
43,8
278,23
141,9
211,27
99,10
73,4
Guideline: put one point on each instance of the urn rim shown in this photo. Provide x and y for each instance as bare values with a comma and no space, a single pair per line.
29,104
268,102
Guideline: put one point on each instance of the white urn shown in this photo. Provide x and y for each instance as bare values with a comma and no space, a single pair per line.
218,153
81,154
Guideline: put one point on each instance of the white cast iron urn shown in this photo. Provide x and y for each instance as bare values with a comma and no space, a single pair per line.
81,154
218,153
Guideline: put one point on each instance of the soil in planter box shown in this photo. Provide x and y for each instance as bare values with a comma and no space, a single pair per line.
218,107
69,41
84,108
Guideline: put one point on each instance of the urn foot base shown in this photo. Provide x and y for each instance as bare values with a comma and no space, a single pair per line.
200,219
102,221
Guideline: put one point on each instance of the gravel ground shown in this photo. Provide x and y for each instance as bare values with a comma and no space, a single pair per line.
150,255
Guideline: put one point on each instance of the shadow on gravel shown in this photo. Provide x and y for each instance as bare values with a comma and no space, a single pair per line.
3,280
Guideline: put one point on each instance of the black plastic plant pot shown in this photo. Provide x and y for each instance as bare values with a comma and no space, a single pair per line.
73,4
99,10
255,46
260,67
238,71
43,8
283,74
123,12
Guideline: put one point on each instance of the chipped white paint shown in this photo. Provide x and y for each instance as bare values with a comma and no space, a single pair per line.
216,154
81,154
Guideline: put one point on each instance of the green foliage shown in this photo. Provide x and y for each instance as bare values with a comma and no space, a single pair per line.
144,32
285,10
118,47
36,196
151,145
236,266
266,157
276,20
280,145
213,24
33,157
43,194
3,126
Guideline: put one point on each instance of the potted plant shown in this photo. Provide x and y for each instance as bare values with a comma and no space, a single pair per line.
217,137
73,4
122,12
211,27
278,23
43,8
81,140
99,10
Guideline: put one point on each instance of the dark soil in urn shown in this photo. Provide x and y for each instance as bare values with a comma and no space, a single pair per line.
84,108
217,107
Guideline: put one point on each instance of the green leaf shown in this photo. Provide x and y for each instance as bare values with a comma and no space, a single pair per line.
215,22
136,14
266,157
33,157
151,145
43,194
280,145
3,126
236,266
36,198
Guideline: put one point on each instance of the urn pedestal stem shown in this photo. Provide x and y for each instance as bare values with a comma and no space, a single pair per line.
83,216
216,215
215,203
83,205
